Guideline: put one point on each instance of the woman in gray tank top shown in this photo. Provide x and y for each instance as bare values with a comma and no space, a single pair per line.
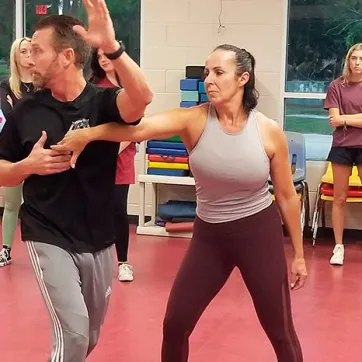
232,149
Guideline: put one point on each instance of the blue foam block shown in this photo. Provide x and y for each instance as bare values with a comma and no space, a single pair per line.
188,104
189,84
190,96
204,98
202,88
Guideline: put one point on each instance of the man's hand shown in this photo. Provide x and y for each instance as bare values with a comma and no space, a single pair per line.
299,273
336,121
73,142
43,161
100,32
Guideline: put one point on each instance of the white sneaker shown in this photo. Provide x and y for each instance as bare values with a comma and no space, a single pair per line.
125,272
338,255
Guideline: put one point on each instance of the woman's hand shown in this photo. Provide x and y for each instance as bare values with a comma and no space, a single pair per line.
74,142
336,121
299,273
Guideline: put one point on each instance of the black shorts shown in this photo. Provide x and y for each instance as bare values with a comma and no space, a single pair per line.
345,156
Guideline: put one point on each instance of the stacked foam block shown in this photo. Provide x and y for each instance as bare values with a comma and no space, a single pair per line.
193,87
167,157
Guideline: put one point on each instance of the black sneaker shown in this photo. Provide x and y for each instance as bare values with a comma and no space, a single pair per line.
5,257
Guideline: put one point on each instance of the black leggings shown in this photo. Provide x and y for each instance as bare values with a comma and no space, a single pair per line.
255,246
121,222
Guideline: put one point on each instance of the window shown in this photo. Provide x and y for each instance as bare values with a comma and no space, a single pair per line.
319,34
306,116
7,34
126,16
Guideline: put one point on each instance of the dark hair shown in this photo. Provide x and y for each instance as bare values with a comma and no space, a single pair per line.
245,62
97,72
65,37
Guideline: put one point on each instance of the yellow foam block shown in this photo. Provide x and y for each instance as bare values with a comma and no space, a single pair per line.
169,165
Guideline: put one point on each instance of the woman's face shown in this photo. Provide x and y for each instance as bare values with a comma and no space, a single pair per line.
221,82
104,62
24,54
355,62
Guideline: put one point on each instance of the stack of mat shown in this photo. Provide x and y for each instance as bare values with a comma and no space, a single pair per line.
193,87
177,216
167,157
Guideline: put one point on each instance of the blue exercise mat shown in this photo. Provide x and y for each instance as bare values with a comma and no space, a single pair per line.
166,152
177,209
165,144
167,172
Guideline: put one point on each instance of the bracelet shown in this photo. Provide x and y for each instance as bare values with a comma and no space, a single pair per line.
117,53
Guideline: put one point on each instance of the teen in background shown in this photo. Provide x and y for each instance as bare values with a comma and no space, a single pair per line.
344,104
104,75
11,91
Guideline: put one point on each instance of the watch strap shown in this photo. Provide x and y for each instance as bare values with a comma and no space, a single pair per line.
117,53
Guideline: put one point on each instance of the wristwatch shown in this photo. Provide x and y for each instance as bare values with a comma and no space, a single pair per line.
117,53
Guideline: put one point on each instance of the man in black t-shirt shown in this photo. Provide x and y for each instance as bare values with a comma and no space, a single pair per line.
67,214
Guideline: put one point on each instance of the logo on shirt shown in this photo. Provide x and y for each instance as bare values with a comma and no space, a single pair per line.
81,123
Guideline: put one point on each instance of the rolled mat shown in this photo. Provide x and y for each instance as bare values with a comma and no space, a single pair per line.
179,227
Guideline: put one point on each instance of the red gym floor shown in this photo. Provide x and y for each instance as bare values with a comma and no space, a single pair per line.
328,311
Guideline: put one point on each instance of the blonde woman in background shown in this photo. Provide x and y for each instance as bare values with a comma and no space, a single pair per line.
344,104
11,91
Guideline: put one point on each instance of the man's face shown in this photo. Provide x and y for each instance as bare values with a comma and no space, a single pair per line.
44,60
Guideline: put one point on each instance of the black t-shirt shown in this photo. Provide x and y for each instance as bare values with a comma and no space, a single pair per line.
74,209
5,91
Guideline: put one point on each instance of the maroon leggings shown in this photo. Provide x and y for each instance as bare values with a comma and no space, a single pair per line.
255,246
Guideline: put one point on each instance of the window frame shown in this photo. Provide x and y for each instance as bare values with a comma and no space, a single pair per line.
283,76
19,18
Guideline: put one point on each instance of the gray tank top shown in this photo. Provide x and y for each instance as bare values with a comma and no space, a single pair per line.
231,171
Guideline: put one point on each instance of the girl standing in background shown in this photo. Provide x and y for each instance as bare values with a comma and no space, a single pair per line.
11,91
103,74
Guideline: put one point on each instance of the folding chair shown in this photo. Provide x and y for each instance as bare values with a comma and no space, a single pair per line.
325,193
298,162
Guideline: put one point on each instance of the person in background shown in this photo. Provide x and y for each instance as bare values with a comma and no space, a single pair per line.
11,91
233,201
344,104
104,75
